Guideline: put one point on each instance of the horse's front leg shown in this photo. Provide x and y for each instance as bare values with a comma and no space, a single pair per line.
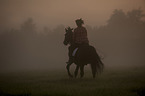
82,70
68,71
76,71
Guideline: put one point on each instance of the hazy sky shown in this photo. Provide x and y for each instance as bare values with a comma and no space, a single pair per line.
54,12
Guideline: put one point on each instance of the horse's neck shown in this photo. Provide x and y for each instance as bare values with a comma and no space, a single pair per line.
71,41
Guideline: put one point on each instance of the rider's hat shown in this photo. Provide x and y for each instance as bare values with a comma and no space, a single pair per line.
79,21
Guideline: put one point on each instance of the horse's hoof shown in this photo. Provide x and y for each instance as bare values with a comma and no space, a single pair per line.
81,77
94,76
71,76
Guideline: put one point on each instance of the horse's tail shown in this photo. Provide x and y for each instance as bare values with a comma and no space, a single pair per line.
97,65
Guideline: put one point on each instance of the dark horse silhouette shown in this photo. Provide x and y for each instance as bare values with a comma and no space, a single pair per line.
84,55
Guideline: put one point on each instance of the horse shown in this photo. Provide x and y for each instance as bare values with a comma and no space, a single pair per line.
84,55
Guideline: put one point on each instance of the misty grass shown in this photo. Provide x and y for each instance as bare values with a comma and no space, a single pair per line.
56,83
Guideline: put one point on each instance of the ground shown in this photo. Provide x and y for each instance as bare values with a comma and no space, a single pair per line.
112,82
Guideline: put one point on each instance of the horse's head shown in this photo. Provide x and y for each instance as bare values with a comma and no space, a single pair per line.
68,36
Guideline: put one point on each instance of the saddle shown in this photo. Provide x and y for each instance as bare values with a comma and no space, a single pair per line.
83,47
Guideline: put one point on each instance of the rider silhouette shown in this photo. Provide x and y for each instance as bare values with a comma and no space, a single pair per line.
79,39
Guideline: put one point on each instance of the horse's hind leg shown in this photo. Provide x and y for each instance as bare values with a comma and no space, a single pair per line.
76,71
82,70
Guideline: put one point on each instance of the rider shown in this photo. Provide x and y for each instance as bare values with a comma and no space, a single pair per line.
79,38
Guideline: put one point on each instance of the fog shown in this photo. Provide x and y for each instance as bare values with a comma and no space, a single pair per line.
32,32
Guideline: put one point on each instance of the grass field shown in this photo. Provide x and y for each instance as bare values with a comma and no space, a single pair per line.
112,82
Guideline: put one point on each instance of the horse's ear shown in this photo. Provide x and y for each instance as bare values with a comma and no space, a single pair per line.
65,30
69,28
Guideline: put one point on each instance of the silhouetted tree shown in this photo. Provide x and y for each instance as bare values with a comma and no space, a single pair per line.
118,18
28,27
135,15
